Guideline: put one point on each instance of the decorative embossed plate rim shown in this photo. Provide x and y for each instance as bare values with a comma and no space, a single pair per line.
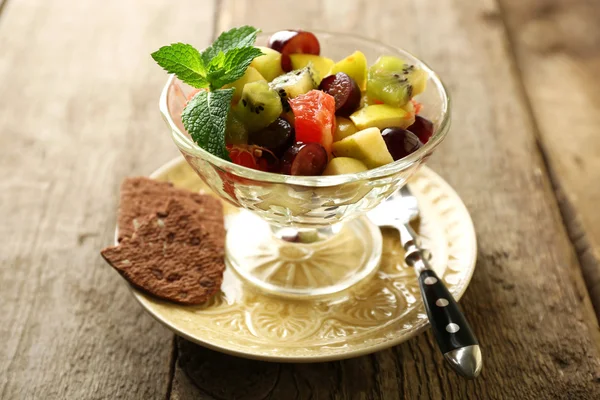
451,213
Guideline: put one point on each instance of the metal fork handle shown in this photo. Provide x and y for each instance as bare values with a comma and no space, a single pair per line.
452,332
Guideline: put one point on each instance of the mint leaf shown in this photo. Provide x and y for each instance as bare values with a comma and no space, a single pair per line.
237,37
205,117
231,66
184,61
225,61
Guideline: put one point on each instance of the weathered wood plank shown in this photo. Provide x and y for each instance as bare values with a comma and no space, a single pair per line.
527,301
79,112
557,47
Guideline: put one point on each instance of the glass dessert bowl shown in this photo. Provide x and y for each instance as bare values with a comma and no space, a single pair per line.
304,236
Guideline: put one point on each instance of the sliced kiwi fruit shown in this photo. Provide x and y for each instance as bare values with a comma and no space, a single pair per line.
322,65
251,75
355,66
395,82
269,64
382,116
294,83
344,165
367,146
259,106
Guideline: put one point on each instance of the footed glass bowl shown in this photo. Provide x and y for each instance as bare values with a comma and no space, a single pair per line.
304,236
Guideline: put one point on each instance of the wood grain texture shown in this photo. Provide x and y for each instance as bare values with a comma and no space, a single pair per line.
557,47
79,112
527,301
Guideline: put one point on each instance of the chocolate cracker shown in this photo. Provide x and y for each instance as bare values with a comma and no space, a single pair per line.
181,223
174,254
143,196
172,271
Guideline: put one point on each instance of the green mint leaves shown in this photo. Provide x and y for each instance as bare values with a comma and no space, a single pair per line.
225,61
184,61
244,36
231,66
205,117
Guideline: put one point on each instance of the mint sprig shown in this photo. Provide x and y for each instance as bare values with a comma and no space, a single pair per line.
205,117
244,36
225,61
184,61
231,66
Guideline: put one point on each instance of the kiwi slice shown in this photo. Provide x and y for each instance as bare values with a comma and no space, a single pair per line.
395,82
259,106
294,83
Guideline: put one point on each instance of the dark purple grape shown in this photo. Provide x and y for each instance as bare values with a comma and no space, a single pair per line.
306,159
293,42
400,142
276,137
423,128
344,90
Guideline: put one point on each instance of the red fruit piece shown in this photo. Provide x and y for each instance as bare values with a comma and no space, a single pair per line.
304,159
241,156
400,142
276,137
314,114
293,42
254,157
344,90
422,127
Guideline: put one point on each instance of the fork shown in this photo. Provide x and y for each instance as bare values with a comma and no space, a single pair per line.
452,332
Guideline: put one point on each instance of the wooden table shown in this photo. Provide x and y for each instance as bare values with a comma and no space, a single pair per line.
78,113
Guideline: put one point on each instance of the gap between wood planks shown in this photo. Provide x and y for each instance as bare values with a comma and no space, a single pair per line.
172,367
588,263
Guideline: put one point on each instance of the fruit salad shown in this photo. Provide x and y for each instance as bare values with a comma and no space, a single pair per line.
294,111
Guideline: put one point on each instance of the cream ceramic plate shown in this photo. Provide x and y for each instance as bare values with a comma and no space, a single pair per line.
384,311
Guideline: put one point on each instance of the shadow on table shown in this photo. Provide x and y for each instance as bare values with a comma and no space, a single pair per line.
227,377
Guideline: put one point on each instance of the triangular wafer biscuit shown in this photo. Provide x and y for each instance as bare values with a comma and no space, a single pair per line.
182,222
174,254
143,196
176,272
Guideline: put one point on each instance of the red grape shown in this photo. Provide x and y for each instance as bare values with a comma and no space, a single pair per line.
293,42
344,90
307,159
400,142
422,127
276,137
